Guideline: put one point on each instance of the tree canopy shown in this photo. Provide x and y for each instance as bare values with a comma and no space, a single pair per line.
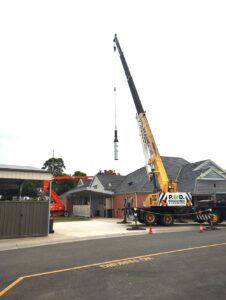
108,172
62,186
54,165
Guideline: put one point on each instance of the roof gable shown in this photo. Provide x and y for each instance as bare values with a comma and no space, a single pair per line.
206,164
212,174
96,184
194,177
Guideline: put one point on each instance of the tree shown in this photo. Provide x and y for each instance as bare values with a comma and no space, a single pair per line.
31,188
55,165
108,172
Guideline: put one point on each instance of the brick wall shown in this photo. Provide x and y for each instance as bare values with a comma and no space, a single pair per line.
118,202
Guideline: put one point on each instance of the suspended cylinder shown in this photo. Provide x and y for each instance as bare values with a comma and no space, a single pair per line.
116,145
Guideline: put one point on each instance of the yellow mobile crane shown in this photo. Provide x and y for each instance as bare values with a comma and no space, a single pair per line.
163,204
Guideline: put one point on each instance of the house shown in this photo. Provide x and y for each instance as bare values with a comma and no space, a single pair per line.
105,195
205,179
92,198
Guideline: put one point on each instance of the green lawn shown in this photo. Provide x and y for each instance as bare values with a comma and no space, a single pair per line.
70,219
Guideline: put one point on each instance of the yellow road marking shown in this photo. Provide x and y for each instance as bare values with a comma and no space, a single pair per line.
107,264
11,286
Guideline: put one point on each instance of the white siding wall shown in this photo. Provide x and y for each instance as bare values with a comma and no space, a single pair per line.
96,185
81,210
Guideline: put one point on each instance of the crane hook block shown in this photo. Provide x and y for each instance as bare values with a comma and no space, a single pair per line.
116,145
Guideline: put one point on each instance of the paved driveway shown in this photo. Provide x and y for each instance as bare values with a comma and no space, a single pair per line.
90,229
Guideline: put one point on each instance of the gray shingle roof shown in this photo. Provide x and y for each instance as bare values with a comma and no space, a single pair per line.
86,182
177,169
173,166
188,179
110,182
138,180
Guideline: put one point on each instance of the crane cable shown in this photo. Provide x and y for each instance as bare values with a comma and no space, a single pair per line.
115,111
115,93
115,98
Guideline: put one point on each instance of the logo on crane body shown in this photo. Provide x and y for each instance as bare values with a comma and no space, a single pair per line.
174,199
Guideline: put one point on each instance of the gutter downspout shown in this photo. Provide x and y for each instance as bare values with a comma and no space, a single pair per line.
136,198
90,201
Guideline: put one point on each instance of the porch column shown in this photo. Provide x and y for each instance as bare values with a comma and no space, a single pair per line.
21,189
90,203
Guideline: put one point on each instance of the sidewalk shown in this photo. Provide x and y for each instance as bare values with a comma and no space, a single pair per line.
85,230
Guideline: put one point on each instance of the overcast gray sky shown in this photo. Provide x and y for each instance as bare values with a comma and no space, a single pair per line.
58,71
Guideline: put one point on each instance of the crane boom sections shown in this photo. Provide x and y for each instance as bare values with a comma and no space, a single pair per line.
132,86
154,164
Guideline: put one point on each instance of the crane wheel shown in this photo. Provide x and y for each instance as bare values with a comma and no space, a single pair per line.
150,218
167,220
215,218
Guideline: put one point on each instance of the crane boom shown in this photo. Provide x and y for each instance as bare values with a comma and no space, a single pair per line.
154,164
165,203
132,86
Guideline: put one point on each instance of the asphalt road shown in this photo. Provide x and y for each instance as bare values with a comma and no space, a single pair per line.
181,265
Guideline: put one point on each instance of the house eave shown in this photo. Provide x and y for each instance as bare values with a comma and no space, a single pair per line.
88,189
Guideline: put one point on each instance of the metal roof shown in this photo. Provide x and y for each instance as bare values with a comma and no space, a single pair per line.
19,168
23,172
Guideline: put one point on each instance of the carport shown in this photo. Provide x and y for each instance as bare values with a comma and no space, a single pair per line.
13,177
20,218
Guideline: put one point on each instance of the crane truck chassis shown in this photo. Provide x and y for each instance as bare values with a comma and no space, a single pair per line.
165,203
205,211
